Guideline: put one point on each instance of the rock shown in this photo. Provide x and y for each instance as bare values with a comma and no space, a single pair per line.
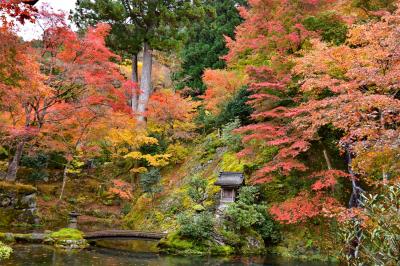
5,201
71,244
29,201
253,244
17,204
38,237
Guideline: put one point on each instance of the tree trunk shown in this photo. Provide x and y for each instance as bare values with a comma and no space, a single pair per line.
14,164
355,202
327,159
65,176
135,79
145,83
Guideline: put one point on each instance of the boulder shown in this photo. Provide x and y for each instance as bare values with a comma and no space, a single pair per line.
17,204
252,244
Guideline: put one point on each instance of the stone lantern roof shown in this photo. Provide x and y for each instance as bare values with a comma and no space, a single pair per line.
230,179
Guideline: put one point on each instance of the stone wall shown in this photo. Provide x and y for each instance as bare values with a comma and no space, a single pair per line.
17,204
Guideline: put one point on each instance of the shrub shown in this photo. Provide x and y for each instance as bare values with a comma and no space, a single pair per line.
198,189
37,163
197,226
5,251
378,232
150,182
245,215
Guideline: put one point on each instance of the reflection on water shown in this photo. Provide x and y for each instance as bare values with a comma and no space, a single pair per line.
137,245
40,255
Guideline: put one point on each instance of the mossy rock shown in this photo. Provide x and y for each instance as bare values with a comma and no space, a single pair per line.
252,243
67,238
222,250
175,244
67,234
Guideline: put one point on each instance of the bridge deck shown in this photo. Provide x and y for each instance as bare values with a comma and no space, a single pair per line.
123,234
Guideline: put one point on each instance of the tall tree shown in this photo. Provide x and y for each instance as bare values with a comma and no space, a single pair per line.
156,25
123,39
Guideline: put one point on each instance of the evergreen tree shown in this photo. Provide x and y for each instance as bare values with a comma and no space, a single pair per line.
206,44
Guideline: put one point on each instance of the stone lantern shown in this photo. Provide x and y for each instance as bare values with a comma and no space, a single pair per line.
73,220
230,182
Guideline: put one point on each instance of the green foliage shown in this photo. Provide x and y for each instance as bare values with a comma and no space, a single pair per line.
206,44
236,108
240,216
173,241
121,38
150,181
379,234
5,251
67,234
374,5
245,214
232,140
197,190
211,143
198,226
38,163
330,26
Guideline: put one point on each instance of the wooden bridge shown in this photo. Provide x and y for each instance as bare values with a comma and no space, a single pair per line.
127,234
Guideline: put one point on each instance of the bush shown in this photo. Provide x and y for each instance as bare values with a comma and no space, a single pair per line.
150,182
197,226
37,163
198,189
5,251
377,230
245,215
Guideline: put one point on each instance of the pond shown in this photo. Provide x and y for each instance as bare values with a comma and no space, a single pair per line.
41,255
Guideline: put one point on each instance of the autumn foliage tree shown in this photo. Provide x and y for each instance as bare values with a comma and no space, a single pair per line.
172,115
351,87
264,46
66,72
221,87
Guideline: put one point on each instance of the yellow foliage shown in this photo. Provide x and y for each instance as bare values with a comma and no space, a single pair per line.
128,137
231,163
178,153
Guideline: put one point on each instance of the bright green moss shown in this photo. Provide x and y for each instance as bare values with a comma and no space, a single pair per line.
67,234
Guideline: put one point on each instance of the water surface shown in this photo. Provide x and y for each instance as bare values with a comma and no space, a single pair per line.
41,255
